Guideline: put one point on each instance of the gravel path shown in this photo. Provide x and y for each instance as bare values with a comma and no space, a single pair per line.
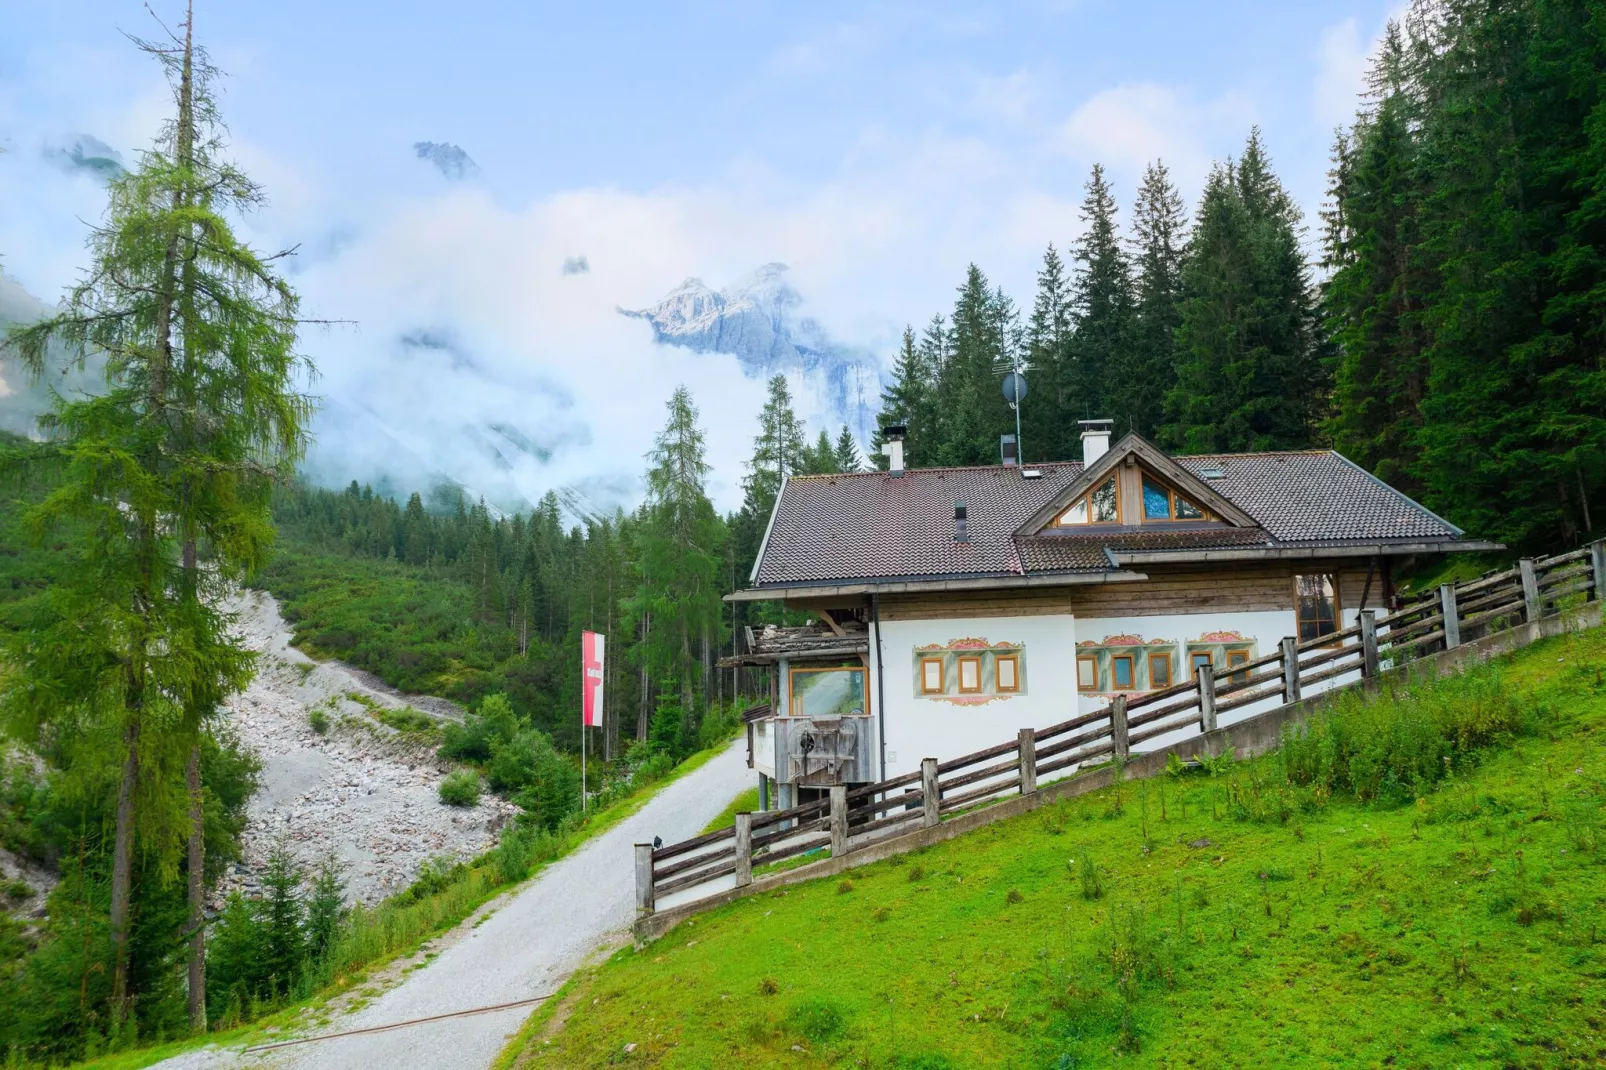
527,948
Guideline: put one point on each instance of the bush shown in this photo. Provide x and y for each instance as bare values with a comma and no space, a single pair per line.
318,718
461,788
1394,747
818,1019
476,737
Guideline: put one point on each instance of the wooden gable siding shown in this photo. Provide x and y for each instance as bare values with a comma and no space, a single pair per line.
1242,588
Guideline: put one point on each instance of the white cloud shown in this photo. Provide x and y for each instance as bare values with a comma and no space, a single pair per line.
1341,60
1129,126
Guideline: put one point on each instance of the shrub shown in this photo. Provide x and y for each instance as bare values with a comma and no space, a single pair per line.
1092,882
818,1019
318,718
461,788
474,739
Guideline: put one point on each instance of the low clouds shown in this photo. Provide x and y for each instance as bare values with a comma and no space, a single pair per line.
1129,126
85,154
576,265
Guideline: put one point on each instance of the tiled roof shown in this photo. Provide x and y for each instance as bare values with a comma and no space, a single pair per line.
873,525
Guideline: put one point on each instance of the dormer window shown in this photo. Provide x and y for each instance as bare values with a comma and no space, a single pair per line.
1160,502
1101,505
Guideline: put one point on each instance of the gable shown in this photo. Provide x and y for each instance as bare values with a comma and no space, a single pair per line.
1135,483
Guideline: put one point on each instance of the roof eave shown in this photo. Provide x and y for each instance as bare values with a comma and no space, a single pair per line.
956,583
1305,552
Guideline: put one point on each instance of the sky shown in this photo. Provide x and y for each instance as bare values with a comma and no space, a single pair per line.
876,149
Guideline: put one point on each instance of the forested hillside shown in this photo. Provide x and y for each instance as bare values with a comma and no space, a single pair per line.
1453,344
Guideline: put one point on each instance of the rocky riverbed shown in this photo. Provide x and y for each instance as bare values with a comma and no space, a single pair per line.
362,791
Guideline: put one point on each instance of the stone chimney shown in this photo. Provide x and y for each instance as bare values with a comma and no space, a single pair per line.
1095,439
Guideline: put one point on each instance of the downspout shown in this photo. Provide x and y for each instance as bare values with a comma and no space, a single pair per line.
880,683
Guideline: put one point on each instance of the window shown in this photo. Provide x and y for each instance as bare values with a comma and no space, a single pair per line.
828,692
1006,672
1160,502
1159,670
931,676
1122,676
1316,606
1195,661
1238,657
969,676
1101,505
1087,673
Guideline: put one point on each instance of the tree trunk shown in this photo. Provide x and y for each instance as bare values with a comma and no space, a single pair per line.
197,890
123,868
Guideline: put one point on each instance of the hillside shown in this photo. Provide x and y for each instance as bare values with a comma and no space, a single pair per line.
1284,912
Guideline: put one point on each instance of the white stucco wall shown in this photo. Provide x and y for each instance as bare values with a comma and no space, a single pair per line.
921,727
918,727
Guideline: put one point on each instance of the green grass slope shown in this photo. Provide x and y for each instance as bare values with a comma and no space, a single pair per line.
1437,904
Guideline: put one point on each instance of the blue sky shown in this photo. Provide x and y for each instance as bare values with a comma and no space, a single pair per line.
874,148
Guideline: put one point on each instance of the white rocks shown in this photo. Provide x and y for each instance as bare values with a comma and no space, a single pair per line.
361,793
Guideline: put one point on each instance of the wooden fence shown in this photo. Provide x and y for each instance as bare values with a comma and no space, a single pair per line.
851,818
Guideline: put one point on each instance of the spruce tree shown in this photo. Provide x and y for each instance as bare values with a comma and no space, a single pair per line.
1146,370
980,349
1249,366
847,452
908,400
1101,299
1047,425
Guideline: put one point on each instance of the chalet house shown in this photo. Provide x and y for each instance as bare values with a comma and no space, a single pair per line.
956,606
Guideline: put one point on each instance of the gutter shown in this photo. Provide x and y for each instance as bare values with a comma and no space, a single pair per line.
880,684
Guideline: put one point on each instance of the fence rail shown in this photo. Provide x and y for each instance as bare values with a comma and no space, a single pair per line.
847,820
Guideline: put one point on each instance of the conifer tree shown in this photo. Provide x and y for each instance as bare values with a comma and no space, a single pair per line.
1102,306
1249,369
1146,368
175,459
847,452
980,350
908,400
1046,426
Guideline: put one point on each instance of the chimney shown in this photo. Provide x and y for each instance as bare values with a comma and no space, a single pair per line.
1095,439
1009,450
892,436
961,528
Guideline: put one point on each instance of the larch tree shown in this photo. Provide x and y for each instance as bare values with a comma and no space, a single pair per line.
165,483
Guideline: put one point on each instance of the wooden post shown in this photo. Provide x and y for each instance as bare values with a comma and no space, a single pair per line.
1452,616
644,893
1597,557
1207,698
1028,760
1290,669
929,799
1369,662
839,820
744,850
1118,733
1532,609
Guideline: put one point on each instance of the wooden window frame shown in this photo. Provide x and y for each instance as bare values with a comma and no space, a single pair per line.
1193,656
1172,496
1091,659
1131,672
942,676
1237,657
959,670
1338,607
1087,498
1160,657
793,672
1014,672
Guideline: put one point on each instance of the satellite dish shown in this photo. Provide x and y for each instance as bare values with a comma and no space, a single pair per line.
1014,387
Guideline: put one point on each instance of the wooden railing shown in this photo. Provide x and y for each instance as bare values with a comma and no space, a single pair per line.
851,818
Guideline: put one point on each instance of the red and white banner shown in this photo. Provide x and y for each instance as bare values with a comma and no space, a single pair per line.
591,655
